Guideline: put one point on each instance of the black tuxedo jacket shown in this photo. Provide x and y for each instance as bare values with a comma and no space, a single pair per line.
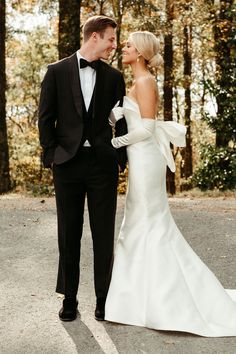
61,109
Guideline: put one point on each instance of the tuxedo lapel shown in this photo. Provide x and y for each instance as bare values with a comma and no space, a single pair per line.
75,84
98,89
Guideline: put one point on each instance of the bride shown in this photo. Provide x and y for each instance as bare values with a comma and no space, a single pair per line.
158,281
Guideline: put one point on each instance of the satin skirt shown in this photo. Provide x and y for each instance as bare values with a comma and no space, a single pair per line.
158,281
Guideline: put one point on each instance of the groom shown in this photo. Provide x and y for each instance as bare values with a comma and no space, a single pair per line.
77,96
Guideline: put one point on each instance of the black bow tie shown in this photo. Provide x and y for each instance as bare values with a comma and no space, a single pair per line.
93,64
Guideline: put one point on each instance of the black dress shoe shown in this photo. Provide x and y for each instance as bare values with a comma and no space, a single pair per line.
69,311
100,309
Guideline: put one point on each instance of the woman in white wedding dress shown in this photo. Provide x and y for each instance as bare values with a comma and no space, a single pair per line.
158,281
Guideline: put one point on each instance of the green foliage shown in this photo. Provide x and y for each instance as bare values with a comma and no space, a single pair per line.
27,61
224,122
224,88
217,169
30,48
218,164
26,170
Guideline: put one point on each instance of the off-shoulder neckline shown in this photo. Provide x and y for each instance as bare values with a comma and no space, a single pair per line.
132,100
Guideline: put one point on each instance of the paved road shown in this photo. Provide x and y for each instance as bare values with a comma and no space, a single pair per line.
28,267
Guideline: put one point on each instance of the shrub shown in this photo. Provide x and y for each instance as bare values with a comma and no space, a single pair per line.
217,168
26,170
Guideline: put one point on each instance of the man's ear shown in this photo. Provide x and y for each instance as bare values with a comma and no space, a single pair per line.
94,36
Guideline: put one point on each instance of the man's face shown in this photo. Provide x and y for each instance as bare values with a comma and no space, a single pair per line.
106,44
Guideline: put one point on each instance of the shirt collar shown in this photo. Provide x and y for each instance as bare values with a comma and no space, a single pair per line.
79,56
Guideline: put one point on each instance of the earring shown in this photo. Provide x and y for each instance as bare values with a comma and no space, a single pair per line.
138,59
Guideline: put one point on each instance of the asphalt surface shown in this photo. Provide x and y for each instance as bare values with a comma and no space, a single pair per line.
28,266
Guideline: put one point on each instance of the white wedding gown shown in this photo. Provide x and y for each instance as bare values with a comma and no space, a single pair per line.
158,281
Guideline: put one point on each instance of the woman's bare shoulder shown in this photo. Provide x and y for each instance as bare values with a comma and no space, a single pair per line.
146,94
146,81
146,85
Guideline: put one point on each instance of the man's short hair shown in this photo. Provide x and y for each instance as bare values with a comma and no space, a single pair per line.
97,24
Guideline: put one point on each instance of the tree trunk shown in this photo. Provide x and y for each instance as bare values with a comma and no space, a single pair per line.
168,80
69,27
119,46
4,155
187,167
168,63
222,33
118,8
101,3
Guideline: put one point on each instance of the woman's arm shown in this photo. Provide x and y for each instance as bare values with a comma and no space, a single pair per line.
116,114
137,135
145,94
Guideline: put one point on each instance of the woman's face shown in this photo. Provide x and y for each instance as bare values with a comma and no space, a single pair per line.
130,53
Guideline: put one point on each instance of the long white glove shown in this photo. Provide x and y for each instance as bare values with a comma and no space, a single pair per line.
116,114
141,133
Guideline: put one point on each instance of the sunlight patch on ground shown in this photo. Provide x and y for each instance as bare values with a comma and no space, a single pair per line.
100,334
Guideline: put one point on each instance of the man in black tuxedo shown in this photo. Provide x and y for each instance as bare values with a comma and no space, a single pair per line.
77,96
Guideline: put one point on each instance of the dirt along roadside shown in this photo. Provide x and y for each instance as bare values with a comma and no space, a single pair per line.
28,261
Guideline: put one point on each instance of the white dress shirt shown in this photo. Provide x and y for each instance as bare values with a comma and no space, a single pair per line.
87,81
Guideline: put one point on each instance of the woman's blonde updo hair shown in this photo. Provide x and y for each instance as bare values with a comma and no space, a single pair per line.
148,46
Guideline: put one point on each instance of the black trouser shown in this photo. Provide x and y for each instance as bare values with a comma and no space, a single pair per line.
73,180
